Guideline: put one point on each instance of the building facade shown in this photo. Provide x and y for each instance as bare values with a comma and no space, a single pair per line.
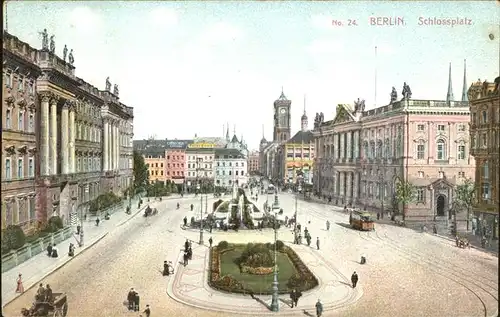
362,154
230,168
199,165
154,158
282,119
295,157
484,99
83,137
253,162
175,154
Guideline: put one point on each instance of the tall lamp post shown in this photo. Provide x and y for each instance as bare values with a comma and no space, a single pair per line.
275,299
201,214
296,209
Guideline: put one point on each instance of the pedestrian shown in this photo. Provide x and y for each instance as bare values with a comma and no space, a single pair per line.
319,308
186,245
354,279
185,221
317,242
130,299
137,300
147,311
48,294
78,228
186,257
49,250
20,287
210,241
378,215
293,296
97,220
40,293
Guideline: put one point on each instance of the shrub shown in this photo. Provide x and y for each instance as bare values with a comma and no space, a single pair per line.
223,245
55,222
229,283
280,245
256,255
104,201
257,270
14,237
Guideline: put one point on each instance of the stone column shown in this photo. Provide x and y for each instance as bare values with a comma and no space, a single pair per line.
105,153
355,187
53,136
335,146
44,135
349,184
349,145
72,147
117,148
342,145
65,139
110,146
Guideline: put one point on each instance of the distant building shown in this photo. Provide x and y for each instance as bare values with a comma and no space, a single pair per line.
361,155
199,165
175,164
253,162
484,100
230,168
154,157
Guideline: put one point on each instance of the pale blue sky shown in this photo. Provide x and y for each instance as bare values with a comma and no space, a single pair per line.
190,67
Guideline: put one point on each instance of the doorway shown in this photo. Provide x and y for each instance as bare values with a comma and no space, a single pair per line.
440,206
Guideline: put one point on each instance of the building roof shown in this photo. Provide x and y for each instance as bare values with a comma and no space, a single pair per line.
235,139
177,144
199,150
232,152
154,151
301,137
263,140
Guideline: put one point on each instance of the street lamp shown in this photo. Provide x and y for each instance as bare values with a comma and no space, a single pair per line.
295,216
275,299
201,214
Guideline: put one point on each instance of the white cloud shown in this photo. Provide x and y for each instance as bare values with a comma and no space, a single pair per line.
321,22
85,20
163,17
221,32
319,47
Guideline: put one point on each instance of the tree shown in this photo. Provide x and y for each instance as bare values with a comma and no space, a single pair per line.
140,171
465,194
405,194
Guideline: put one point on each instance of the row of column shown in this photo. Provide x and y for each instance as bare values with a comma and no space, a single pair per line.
111,152
49,136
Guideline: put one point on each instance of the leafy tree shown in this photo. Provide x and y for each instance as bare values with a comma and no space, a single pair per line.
405,194
465,194
140,171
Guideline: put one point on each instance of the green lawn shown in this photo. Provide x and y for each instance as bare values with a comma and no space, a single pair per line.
256,283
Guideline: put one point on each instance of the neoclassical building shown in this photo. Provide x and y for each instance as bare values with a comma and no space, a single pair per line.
484,99
230,167
83,137
361,154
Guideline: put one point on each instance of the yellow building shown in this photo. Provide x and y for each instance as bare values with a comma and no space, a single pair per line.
484,101
154,158
296,156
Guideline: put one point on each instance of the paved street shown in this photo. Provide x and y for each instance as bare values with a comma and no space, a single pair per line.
407,273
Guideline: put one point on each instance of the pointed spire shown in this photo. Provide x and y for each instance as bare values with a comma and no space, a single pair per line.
464,89
304,104
263,131
449,95
227,132
234,129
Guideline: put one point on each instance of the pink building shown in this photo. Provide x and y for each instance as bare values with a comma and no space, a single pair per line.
175,160
362,154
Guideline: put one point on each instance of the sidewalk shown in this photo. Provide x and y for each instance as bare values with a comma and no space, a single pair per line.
190,286
40,266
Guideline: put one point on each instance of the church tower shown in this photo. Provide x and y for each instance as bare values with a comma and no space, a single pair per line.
303,120
282,118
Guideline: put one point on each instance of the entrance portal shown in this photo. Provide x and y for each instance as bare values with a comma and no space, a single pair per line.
440,206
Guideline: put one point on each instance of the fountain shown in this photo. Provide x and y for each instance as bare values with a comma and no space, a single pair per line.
239,205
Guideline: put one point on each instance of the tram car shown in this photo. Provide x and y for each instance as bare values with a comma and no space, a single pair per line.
361,220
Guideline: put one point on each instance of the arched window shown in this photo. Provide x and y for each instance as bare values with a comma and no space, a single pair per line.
420,150
441,149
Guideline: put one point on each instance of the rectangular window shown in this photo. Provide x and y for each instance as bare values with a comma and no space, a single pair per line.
461,127
441,127
486,191
31,168
20,171
32,208
484,140
485,117
486,171
421,174
420,195
461,174
8,119
20,124
20,84
420,127
8,80
31,123
8,171
420,151
461,152
31,89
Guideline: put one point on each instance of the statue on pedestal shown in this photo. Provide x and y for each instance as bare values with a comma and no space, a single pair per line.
108,84
359,105
52,44
406,91
394,95
45,39
65,52
71,59
115,90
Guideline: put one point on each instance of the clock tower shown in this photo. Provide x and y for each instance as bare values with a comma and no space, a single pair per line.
282,119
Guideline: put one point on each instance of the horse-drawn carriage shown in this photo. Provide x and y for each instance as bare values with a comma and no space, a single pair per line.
56,308
150,212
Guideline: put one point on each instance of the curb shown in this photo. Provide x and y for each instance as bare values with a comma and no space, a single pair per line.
472,246
57,268
130,218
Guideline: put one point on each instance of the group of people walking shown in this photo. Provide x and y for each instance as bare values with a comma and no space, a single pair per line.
133,300
52,251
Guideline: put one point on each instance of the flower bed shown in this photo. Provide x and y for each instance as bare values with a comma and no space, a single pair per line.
302,279
257,270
